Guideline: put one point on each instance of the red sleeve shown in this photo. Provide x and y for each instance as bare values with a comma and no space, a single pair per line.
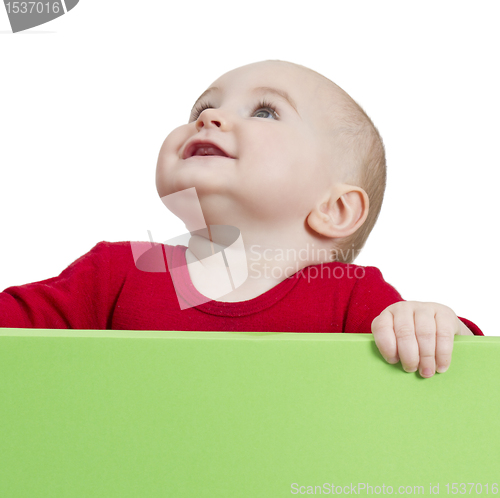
78,298
473,327
370,296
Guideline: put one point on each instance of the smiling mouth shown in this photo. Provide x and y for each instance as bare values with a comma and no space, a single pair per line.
204,149
208,150
208,156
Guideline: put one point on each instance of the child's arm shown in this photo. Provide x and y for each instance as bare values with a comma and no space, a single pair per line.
377,307
79,298
419,334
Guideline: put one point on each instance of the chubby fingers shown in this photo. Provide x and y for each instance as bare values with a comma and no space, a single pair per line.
394,334
435,328
420,334
404,331
395,337
425,331
407,330
448,325
383,333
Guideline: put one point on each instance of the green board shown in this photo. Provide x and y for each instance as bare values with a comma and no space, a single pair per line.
223,414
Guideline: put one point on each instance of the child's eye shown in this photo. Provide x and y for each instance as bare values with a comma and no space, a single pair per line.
267,107
261,106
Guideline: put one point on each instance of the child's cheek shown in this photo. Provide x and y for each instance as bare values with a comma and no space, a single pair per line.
169,156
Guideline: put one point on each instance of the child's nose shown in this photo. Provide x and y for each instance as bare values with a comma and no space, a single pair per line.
209,118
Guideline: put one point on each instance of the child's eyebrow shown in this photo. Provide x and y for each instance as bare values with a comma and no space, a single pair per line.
260,89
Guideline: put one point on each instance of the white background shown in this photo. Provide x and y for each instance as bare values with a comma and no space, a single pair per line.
87,100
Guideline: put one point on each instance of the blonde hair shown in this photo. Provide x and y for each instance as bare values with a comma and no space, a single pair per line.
362,160
368,170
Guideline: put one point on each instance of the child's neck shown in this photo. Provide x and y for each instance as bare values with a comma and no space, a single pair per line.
267,264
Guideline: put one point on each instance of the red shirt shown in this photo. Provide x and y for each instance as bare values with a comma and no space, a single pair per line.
104,289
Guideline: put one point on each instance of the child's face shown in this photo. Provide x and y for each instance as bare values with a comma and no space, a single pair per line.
279,166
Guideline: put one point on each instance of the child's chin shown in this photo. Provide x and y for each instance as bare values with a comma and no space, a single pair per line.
205,180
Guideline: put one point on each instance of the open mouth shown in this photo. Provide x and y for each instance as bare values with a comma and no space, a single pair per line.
204,149
208,151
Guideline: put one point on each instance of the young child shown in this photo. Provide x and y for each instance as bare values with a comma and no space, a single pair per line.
285,156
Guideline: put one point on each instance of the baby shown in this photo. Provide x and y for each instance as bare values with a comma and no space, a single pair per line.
305,171
288,158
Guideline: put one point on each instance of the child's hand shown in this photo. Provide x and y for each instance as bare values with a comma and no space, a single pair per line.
420,334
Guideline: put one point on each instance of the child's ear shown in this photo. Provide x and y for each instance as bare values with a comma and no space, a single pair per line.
341,213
